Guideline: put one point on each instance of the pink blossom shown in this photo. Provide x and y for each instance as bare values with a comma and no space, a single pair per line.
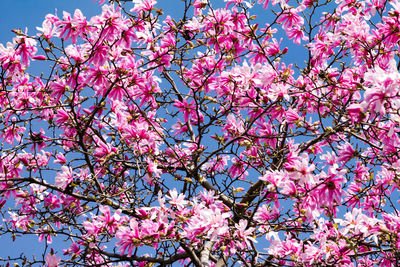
64,178
356,222
52,201
79,53
129,237
179,128
60,159
194,137
13,133
58,88
238,169
26,48
292,116
301,170
290,19
346,152
143,5
234,125
177,200
48,28
99,57
73,249
72,27
297,34
330,191
265,3
244,233
355,111
186,108
52,260
103,149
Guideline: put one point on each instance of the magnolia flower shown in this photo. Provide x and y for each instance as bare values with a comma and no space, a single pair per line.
64,178
52,260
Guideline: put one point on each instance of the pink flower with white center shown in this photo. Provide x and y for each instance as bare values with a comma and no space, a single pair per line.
215,164
297,34
212,222
278,90
263,214
93,228
52,201
187,109
329,157
148,91
300,170
57,88
77,52
330,191
355,112
99,55
62,117
19,221
208,197
13,133
103,149
177,200
346,152
275,178
289,18
291,116
130,237
64,178
179,128
143,5
52,260
48,28
73,249
152,168
355,222
383,85
110,221
238,168
233,125
244,233
112,22
73,27
26,48
60,158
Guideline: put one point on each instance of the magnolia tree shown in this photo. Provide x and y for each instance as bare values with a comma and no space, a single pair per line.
194,140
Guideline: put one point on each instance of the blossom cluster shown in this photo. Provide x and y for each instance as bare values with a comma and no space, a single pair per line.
199,141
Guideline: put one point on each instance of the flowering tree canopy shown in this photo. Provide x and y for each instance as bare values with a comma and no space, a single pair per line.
196,140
